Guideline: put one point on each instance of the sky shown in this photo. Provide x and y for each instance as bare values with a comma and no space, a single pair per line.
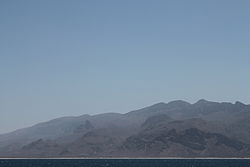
68,58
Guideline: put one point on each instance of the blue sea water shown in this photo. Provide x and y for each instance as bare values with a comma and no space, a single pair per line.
124,163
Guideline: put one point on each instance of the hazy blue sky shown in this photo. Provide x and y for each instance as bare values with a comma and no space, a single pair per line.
60,58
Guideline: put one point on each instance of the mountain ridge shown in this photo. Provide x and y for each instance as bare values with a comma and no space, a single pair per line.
108,134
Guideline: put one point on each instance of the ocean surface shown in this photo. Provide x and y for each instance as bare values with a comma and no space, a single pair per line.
124,162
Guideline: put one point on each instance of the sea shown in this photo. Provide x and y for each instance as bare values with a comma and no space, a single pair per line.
124,162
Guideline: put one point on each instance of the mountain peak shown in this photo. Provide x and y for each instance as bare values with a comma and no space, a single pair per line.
204,102
239,103
178,103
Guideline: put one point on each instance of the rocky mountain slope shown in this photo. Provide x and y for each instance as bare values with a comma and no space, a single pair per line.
174,129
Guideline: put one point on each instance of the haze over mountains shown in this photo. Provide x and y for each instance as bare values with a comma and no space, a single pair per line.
174,129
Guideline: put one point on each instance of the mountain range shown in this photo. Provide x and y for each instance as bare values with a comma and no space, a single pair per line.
174,129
